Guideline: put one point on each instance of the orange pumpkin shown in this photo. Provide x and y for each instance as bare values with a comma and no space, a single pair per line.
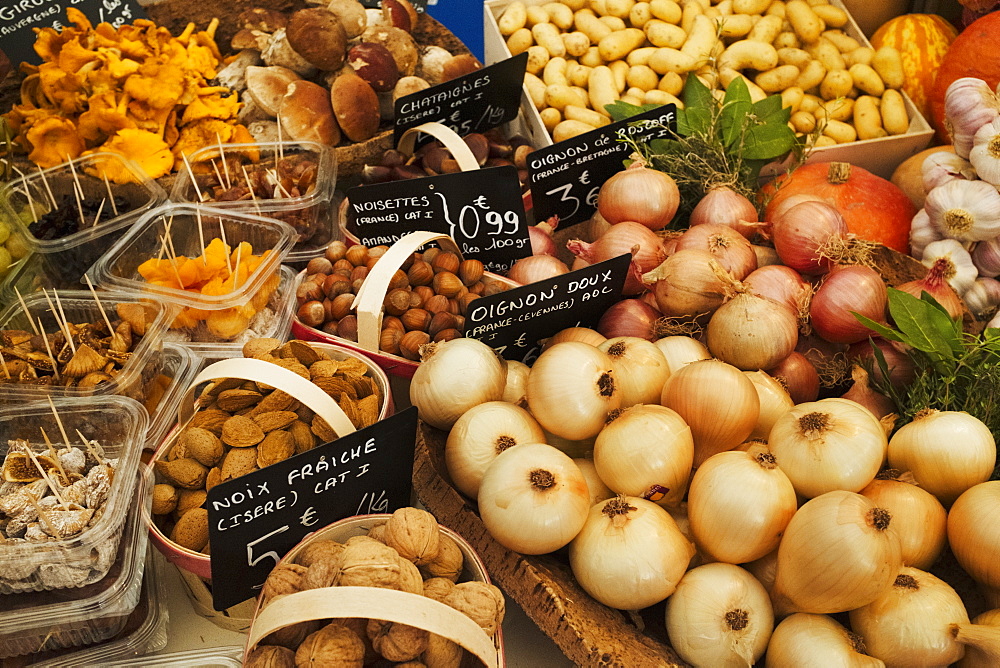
974,53
873,208
922,40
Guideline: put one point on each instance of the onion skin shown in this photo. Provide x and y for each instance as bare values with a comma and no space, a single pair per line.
845,291
937,287
646,196
921,520
799,377
779,283
685,284
540,236
629,317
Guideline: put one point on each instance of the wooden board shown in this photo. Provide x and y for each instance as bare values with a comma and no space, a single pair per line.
589,633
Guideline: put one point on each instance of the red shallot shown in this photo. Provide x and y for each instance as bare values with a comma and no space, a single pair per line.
627,237
799,377
802,232
935,283
540,236
848,290
782,284
862,393
629,317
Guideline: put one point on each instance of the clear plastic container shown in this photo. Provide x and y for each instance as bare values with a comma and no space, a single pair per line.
65,260
187,230
179,368
119,425
137,371
221,183
46,620
217,657
145,630
273,321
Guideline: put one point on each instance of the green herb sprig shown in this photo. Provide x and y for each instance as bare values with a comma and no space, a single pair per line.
720,142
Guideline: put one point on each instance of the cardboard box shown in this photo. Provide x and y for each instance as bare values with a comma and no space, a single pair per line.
879,156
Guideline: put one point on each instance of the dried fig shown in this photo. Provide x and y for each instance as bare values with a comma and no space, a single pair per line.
332,645
414,533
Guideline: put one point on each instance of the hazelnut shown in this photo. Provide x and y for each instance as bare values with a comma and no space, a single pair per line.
416,319
336,285
425,292
343,266
267,86
358,273
460,65
445,261
470,271
356,255
332,645
465,300
399,280
347,328
416,300
420,273
306,115
355,106
446,284
392,322
311,314
430,254
341,305
399,43
479,146
409,345
396,301
441,320
351,14
335,251
436,304
317,35
373,63
319,265
389,341
258,18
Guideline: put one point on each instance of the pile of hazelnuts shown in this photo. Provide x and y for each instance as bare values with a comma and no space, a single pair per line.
426,301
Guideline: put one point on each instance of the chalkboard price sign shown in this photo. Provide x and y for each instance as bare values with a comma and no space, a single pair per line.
18,17
514,321
475,102
480,209
566,177
254,520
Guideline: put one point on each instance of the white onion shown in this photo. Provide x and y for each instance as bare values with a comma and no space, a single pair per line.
681,350
640,369
806,640
454,376
774,402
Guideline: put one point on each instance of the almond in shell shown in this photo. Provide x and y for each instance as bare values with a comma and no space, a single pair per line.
272,420
301,351
189,499
164,499
211,419
213,478
238,399
304,438
260,346
241,431
237,462
276,447
202,445
277,400
323,430
191,530
188,473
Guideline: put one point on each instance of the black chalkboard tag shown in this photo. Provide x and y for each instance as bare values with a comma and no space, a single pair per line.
419,5
18,17
474,102
254,520
480,209
514,321
566,177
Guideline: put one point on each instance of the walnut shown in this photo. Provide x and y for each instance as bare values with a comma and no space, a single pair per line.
332,645
324,572
397,642
438,588
290,637
448,562
409,577
411,664
481,602
442,653
359,626
368,563
270,656
414,534
377,532
284,579
317,550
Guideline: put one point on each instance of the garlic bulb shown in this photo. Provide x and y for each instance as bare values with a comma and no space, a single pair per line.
909,624
922,233
839,552
965,210
941,167
806,640
985,153
719,616
969,104
983,297
963,272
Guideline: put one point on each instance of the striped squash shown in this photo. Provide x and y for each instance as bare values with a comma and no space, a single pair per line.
922,40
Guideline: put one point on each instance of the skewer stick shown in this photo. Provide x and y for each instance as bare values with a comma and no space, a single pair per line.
201,233
5,369
62,313
59,422
225,244
41,512
218,174
45,476
54,455
107,185
63,327
77,192
27,193
194,181
239,255
173,262
222,156
97,453
48,188
97,218
173,252
26,313
253,196
100,306
281,150
55,369
277,182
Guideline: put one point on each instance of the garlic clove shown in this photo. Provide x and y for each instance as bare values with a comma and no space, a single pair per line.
922,233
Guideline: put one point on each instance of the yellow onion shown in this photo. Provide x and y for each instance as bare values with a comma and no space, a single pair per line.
974,536
645,451
981,639
454,376
739,504
646,196
839,552
828,445
686,285
571,390
581,334
774,402
719,616
629,554
640,369
947,451
681,350
910,623
807,640
717,401
920,520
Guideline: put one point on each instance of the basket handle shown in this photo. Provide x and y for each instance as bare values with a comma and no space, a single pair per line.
390,605
260,371
456,145
369,301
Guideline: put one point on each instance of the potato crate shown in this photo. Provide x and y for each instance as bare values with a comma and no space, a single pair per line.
879,156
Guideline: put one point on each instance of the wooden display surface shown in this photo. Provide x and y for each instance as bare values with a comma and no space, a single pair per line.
589,633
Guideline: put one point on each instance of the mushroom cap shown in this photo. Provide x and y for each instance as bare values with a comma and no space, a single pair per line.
306,114
373,63
317,35
356,107
268,85
144,148
54,140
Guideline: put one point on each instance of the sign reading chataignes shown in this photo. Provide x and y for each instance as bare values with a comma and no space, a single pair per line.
18,17
566,177
254,520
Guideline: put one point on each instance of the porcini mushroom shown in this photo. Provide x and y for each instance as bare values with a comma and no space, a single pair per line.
306,114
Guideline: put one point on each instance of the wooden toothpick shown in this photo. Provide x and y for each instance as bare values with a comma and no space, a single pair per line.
26,312
222,157
97,218
5,369
194,181
281,149
62,325
225,244
98,455
54,455
239,254
100,306
42,515
107,185
27,193
62,313
48,188
77,192
201,232
55,367
59,422
253,195
45,476
218,174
